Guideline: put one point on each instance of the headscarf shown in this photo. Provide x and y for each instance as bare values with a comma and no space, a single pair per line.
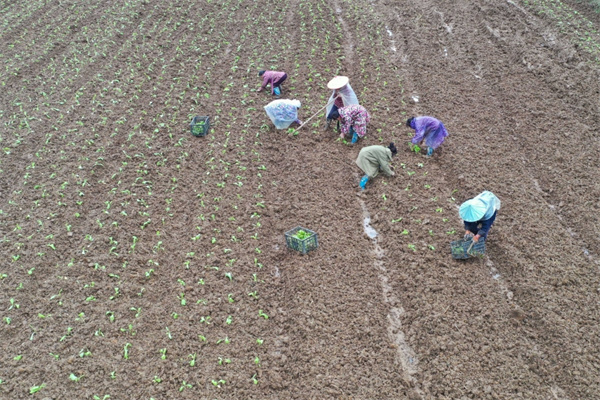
409,122
393,149
479,208
261,73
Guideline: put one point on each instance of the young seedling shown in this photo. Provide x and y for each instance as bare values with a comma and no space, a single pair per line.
75,378
37,388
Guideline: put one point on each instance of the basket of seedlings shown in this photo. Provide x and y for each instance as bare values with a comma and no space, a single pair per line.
200,125
301,239
466,248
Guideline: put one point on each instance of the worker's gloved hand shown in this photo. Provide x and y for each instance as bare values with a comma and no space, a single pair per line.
476,238
468,235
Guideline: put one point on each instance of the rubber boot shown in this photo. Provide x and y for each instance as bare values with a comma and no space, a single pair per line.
429,151
363,182
354,138
277,90
327,125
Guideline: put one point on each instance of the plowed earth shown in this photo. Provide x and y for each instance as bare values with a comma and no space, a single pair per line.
141,262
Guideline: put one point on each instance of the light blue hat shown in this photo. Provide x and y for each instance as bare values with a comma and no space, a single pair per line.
472,210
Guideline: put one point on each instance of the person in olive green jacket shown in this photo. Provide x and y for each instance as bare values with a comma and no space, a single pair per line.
373,159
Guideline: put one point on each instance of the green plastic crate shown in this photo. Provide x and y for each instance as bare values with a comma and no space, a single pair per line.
463,249
200,125
310,242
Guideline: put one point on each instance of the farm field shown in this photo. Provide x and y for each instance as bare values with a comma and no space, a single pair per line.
141,262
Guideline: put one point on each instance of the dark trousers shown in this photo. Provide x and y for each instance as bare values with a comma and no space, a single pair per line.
280,81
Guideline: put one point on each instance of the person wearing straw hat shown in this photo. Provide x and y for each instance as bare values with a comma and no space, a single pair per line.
283,112
374,159
273,78
428,130
354,119
342,95
479,214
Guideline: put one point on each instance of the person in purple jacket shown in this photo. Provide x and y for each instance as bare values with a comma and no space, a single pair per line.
273,78
428,130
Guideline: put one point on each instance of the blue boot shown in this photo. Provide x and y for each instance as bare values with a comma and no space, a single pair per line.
363,182
276,90
354,136
429,151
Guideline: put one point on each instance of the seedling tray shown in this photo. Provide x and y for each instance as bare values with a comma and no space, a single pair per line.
463,249
200,125
311,242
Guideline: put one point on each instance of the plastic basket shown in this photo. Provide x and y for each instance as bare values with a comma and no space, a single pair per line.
305,245
200,125
463,249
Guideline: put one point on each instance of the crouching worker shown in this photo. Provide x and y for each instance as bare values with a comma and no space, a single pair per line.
354,120
373,159
343,95
273,78
479,214
283,112
428,130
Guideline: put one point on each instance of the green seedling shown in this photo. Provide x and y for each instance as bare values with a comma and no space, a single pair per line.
35,389
218,383
75,378
262,314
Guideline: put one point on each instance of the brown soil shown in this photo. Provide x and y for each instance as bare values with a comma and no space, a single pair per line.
152,264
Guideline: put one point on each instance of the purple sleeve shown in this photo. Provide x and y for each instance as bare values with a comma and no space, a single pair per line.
419,133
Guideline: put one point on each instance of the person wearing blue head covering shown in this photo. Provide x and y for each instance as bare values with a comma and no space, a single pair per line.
479,214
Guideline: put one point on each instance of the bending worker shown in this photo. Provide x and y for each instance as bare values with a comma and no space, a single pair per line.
283,112
373,159
428,130
273,78
354,121
342,96
479,214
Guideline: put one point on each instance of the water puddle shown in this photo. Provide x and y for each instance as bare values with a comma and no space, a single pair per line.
369,230
404,353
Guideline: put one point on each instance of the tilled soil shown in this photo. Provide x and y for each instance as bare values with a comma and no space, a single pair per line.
152,264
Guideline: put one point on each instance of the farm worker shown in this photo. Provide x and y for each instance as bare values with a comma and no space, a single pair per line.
428,130
479,214
283,112
273,78
342,95
354,119
373,159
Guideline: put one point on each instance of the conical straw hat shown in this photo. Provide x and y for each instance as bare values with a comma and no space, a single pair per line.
472,210
338,82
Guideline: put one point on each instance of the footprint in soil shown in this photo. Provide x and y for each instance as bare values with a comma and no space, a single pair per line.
518,315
